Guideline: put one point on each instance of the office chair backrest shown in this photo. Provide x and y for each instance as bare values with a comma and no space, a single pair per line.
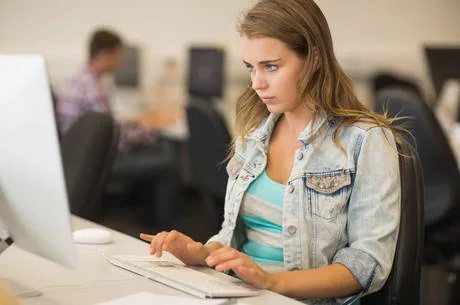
209,141
403,284
88,150
384,80
440,170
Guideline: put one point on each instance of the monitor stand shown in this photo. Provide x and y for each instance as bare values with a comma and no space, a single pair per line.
18,289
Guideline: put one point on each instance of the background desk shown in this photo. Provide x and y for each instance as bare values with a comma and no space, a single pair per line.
95,280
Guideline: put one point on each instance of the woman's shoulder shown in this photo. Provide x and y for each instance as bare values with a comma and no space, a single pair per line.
365,127
366,131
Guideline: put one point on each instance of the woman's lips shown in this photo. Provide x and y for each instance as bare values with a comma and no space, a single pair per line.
267,99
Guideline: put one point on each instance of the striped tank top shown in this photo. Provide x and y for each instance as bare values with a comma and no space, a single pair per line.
262,214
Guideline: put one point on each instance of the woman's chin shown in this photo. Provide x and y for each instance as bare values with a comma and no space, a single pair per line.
275,109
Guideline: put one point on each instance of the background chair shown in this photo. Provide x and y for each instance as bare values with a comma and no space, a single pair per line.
441,177
383,80
440,170
403,284
88,150
209,141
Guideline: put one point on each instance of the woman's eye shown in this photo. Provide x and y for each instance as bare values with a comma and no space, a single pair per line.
250,68
271,68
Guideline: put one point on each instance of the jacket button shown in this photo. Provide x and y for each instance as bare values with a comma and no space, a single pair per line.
299,156
292,230
291,188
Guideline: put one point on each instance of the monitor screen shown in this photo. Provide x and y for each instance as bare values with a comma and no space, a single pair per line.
206,72
33,196
128,73
443,64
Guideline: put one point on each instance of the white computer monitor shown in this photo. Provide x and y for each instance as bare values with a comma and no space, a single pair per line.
34,206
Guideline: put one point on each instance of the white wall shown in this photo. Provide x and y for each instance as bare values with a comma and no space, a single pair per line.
368,34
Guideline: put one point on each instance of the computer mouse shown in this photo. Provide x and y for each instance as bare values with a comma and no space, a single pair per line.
92,236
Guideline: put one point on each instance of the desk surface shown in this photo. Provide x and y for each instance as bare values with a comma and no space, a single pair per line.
95,280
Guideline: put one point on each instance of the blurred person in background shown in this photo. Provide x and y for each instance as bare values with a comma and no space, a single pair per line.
169,94
448,114
86,91
143,162
448,105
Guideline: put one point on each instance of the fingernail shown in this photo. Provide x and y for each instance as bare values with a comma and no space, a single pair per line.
210,260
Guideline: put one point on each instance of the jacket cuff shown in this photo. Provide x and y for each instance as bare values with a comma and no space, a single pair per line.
360,264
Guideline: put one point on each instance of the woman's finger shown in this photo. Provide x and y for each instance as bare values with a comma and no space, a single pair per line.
222,255
158,243
170,239
230,264
147,237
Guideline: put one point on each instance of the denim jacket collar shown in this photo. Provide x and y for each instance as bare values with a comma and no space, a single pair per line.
265,129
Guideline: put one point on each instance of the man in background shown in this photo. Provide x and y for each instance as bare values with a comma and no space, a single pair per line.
86,91
149,168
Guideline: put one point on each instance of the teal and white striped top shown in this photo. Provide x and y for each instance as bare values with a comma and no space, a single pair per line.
262,214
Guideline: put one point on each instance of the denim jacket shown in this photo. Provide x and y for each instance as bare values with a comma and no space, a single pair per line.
337,208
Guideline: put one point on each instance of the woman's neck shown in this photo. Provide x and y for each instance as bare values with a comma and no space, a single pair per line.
296,121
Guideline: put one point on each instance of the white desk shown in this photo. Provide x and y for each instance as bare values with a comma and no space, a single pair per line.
95,280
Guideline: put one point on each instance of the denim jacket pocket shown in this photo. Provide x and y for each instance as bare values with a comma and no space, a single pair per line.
329,193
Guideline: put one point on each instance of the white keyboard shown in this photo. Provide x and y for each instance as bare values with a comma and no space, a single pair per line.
183,278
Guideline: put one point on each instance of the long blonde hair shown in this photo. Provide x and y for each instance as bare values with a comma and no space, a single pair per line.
301,25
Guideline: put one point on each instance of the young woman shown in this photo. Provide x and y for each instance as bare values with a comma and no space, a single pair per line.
313,198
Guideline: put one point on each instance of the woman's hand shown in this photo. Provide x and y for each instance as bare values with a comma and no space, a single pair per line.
180,245
228,258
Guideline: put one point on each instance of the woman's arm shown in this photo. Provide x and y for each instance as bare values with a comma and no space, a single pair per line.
325,282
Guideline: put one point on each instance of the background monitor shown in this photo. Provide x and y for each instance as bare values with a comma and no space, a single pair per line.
33,200
443,64
206,72
128,75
